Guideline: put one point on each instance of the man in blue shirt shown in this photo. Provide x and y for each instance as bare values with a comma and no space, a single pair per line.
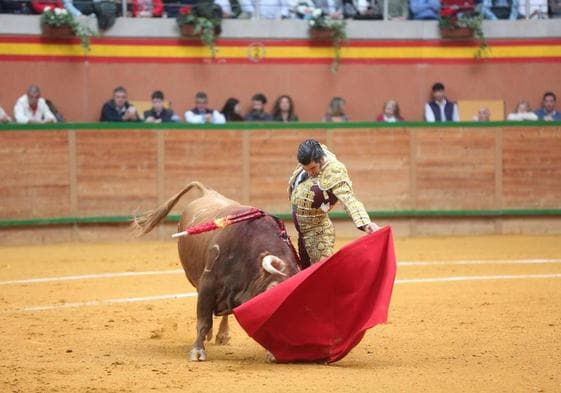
548,111
425,9
500,9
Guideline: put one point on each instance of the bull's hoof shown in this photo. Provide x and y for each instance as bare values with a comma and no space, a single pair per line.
222,339
198,355
270,358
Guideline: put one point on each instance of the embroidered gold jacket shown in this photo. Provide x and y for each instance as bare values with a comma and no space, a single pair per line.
314,197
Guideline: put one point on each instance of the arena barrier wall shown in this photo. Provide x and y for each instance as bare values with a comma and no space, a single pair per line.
453,178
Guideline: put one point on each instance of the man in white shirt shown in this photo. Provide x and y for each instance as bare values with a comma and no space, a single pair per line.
201,114
440,109
4,118
32,108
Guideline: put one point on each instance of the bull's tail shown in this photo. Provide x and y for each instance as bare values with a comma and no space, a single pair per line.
149,220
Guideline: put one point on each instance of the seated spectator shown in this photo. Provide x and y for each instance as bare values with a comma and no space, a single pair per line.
555,8
333,8
118,108
4,118
440,109
398,9
390,113
32,108
40,5
283,110
270,9
336,111
548,111
232,110
159,113
147,8
535,9
500,9
201,114
424,9
483,114
258,102
362,9
17,7
235,8
304,9
522,112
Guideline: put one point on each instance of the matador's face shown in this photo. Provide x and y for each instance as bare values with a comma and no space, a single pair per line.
314,168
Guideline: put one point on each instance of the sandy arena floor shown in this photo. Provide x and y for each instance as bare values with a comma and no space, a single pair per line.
482,334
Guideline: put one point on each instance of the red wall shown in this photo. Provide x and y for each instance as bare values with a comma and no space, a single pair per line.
79,89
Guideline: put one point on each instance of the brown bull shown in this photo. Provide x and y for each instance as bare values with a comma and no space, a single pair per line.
227,266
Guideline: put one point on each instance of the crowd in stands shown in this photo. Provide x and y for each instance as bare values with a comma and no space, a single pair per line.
31,107
295,9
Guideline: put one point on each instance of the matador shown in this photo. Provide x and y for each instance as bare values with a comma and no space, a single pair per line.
319,181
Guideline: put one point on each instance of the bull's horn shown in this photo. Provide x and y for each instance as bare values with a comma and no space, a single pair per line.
268,264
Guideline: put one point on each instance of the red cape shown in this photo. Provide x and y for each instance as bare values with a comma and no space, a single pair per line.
321,313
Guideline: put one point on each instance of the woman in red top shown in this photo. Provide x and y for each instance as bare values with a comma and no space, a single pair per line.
147,8
40,5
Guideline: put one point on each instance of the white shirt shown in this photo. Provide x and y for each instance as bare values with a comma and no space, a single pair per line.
217,118
24,114
522,116
429,115
272,9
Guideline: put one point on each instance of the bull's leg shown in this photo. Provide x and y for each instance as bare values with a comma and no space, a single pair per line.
205,305
223,335
209,334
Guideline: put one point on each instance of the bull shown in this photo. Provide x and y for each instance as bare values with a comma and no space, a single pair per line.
228,266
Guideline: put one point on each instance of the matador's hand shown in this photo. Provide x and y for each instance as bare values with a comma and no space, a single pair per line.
372,227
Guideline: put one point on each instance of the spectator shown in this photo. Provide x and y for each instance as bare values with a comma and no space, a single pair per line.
40,5
390,112
535,9
440,109
201,114
336,111
230,8
304,9
522,112
159,113
500,9
147,8
118,108
548,111
483,114
333,8
361,9
32,108
398,9
258,102
270,9
424,9
232,110
554,8
283,110
4,118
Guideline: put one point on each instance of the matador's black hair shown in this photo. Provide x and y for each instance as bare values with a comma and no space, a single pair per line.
308,151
